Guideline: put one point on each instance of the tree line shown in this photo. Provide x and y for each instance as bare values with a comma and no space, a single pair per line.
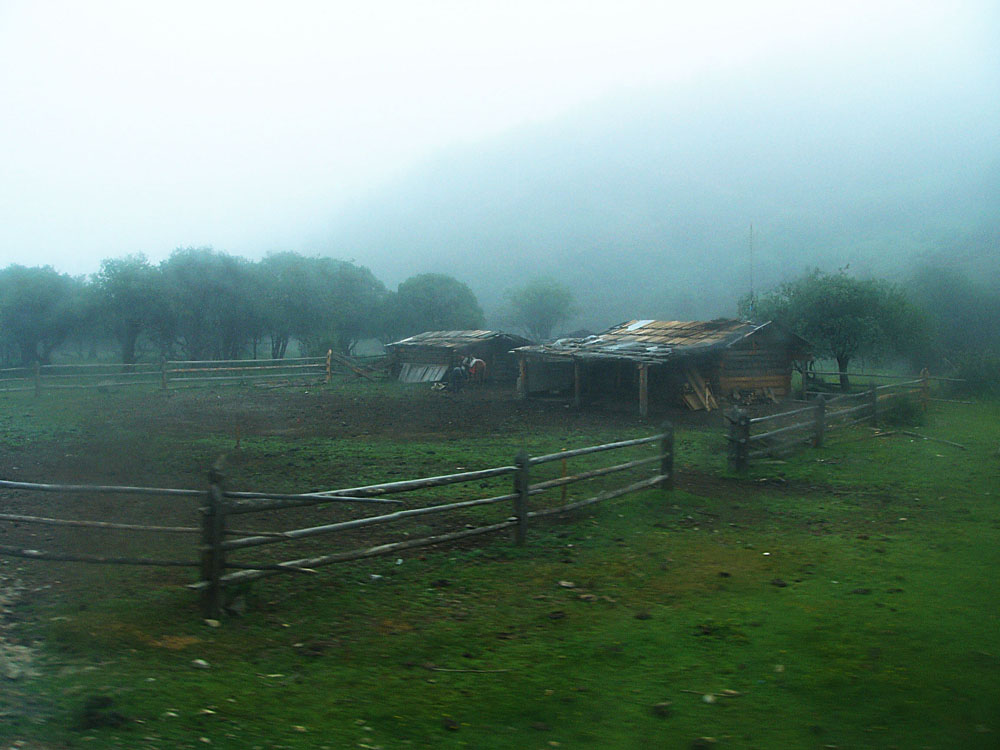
202,304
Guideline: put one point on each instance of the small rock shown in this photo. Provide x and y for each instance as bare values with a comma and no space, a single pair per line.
213,623
664,709
199,664
779,583
643,615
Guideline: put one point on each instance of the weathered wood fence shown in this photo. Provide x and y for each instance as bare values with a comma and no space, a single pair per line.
169,374
776,434
221,541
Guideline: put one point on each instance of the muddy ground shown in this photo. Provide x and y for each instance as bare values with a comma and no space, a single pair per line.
171,440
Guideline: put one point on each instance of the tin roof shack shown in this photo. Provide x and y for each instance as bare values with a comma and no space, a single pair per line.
425,358
686,361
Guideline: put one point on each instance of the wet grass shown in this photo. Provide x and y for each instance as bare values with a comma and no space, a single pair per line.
845,597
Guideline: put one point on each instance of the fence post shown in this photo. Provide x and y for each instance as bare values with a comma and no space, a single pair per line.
739,440
213,529
329,370
38,378
522,485
667,457
925,387
873,397
643,390
163,373
820,426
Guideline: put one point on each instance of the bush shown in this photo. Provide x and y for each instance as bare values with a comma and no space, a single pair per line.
981,373
904,410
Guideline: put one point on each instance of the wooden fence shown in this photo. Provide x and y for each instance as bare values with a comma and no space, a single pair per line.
179,374
221,541
776,434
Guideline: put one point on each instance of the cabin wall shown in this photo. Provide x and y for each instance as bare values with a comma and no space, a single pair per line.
755,364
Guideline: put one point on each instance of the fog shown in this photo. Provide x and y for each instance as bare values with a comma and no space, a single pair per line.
624,148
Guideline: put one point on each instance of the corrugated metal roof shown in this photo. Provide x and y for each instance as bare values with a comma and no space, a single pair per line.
652,340
417,373
458,339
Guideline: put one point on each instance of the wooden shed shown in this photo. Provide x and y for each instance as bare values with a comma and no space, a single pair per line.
689,362
425,357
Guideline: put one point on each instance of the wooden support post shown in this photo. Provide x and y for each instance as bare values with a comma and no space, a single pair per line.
38,378
925,387
643,390
577,385
522,376
739,440
163,373
522,485
820,426
329,370
873,399
667,457
565,473
213,533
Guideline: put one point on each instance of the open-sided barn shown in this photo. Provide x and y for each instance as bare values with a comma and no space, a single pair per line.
686,361
425,357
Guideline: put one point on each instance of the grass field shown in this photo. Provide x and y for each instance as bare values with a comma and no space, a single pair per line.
844,598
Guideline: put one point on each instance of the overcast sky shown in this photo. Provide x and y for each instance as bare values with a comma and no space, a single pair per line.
145,125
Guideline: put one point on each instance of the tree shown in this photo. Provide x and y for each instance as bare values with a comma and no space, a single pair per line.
128,294
293,296
210,297
435,302
963,311
39,309
355,297
844,317
324,303
540,306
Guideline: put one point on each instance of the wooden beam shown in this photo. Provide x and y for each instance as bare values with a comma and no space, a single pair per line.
643,390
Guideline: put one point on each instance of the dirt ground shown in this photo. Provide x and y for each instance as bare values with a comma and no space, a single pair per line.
171,440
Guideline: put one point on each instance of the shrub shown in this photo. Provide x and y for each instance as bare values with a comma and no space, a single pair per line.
904,410
981,373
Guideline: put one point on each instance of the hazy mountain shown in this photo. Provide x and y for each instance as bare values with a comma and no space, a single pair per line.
642,204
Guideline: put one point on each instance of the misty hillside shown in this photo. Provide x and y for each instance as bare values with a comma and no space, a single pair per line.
642,205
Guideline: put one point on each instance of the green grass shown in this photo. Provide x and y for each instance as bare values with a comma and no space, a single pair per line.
847,594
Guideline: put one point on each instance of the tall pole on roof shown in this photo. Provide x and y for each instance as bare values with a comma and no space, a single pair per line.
753,299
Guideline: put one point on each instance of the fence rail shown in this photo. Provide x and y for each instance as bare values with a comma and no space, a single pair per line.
169,374
814,421
217,542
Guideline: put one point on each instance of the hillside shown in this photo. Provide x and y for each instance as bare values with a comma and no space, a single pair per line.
642,203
